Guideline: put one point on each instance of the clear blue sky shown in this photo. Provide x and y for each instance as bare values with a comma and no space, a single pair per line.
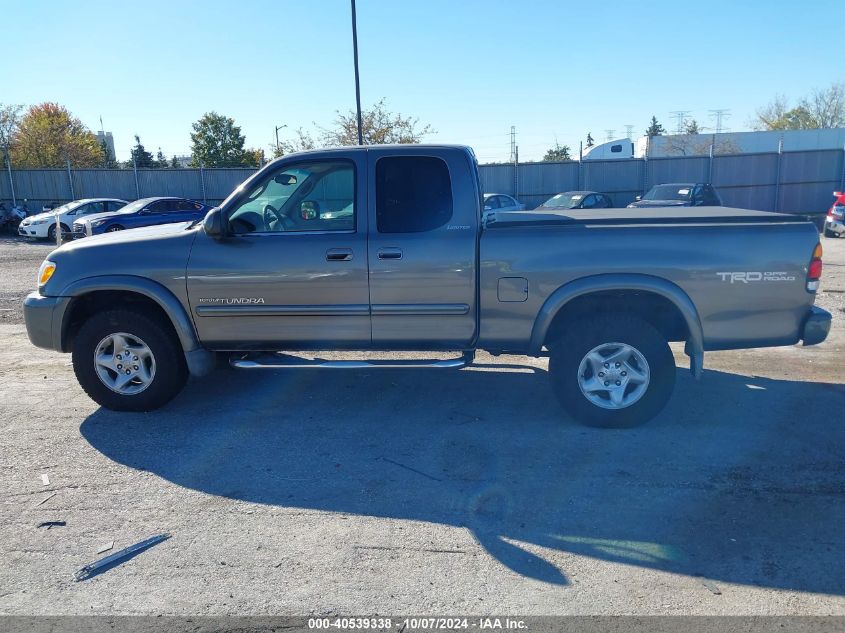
470,68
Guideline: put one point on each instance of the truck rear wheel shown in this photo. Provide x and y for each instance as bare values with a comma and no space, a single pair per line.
128,361
612,372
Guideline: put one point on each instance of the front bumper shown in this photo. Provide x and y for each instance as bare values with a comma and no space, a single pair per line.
31,230
43,317
816,326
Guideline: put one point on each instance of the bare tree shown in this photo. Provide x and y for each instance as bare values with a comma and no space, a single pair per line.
301,142
379,126
10,119
823,108
827,106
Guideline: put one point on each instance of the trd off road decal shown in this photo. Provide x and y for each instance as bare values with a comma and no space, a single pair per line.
753,276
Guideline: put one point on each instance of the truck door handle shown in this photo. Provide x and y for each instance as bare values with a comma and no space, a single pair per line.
339,255
390,253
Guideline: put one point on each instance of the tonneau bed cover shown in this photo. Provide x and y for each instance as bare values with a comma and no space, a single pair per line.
657,215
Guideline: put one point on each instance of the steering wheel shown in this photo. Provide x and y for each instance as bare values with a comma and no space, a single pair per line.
275,220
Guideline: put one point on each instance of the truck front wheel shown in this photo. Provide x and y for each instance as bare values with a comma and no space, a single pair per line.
128,361
612,372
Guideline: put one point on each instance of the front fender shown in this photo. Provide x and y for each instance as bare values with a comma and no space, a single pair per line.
129,283
599,283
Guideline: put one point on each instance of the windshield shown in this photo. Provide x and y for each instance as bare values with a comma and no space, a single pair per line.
63,209
669,192
134,207
563,201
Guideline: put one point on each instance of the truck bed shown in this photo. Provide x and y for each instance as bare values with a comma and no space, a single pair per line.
647,216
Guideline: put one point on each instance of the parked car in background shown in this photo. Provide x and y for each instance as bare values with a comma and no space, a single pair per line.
43,225
834,223
577,200
688,194
501,202
143,212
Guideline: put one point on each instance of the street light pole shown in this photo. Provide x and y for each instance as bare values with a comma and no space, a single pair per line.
357,81
278,127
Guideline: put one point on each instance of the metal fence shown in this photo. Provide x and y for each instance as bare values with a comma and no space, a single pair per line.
40,186
798,182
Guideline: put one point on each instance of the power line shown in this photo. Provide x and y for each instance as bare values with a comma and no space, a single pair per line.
610,134
629,131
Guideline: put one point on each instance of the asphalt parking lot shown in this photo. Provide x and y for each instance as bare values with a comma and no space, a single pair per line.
410,492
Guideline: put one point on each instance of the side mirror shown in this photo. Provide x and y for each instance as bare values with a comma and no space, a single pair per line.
214,224
309,210
638,198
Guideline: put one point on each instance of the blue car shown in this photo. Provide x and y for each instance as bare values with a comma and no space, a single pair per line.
143,212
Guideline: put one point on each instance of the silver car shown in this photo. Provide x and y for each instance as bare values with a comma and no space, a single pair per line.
501,202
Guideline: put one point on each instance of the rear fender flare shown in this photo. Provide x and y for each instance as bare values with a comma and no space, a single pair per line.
598,283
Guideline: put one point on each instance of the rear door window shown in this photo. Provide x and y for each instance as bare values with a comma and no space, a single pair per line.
159,206
413,194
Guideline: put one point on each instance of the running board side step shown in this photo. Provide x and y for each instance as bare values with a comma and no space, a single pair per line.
284,361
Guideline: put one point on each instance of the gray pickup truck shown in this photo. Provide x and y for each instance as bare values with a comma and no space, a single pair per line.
388,248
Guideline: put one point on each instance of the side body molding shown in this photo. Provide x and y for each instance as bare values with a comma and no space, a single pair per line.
200,361
559,298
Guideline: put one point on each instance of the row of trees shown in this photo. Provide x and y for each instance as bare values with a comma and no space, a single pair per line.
48,135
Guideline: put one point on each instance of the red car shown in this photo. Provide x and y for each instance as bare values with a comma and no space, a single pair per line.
834,223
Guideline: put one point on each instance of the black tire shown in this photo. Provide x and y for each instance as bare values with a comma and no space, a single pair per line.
51,233
584,336
170,374
113,228
829,233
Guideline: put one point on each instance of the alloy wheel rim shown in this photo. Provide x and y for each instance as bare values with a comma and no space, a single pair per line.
124,363
614,375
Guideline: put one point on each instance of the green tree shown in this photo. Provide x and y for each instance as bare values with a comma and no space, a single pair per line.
109,160
557,153
217,142
654,128
590,141
691,127
48,135
174,162
161,160
140,157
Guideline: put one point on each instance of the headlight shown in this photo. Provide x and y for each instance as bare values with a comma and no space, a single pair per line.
45,272
97,223
34,222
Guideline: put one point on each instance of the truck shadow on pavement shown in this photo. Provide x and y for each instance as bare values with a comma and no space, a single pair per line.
740,479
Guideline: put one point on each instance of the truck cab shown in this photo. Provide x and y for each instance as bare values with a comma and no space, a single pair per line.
345,249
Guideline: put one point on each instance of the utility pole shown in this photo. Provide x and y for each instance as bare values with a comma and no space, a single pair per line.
357,81
11,180
629,131
278,149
